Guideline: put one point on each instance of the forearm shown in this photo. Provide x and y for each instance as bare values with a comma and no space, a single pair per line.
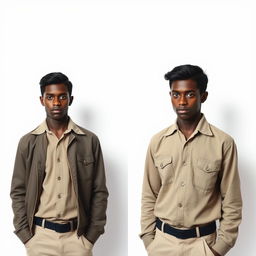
97,216
20,218
18,193
231,205
98,199
150,189
148,219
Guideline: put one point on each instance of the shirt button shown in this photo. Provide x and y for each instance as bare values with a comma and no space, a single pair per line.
58,215
182,184
180,205
59,178
59,196
58,160
184,162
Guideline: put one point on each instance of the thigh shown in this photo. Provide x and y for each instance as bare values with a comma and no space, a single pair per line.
76,246
164,245
208,241
43,243
199,246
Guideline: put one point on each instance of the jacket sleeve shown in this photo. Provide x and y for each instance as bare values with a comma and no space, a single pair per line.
99,197
18,194
231,201
150,189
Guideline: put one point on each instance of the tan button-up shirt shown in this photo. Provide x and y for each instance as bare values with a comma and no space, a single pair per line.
58,199
192,182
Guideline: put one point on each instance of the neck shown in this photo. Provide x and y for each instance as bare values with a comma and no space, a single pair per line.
187,127
58,127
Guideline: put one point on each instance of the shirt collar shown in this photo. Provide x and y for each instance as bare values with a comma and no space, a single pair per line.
43,127
203,127
170,131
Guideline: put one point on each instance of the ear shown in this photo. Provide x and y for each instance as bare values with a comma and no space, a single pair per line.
71,100
204,96
42,100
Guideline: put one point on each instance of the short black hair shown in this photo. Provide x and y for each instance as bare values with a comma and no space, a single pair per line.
185,72
55,78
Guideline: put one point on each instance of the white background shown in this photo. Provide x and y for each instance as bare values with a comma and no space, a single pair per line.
116,53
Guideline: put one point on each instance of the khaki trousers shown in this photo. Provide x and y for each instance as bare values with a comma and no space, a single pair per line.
47,242
167,245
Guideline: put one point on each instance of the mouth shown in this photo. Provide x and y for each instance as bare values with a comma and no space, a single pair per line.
56,111
182,111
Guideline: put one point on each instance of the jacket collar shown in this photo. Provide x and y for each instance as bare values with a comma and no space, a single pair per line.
203,127
43,127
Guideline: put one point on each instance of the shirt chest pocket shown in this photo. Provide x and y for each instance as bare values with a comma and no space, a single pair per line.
165,169
206,174
85,167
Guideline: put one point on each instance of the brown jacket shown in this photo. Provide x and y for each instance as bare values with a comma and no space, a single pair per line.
88,176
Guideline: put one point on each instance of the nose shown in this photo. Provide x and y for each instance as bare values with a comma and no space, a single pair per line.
56,101
183,100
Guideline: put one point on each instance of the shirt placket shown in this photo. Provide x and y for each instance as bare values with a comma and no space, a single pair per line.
182,180
59,178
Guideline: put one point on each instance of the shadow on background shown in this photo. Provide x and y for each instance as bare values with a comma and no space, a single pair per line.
246,237
114,242
235,124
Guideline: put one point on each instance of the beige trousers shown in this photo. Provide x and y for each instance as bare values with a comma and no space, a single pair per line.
167,245
47,242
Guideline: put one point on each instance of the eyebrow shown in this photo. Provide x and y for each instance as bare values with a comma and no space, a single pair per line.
183,91
52,94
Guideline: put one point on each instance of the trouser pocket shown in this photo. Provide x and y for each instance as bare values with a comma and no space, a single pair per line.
87,244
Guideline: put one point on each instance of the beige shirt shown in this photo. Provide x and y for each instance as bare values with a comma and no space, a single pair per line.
58,199
192,182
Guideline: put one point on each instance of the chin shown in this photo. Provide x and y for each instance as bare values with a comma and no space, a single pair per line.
185,117
57,117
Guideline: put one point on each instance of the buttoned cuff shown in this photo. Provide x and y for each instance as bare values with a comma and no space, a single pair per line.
221,247
24,235
148,239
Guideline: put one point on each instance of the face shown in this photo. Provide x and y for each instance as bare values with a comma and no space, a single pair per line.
56,100
187,99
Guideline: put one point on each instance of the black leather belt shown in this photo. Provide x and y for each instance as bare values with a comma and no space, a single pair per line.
60,228
187,233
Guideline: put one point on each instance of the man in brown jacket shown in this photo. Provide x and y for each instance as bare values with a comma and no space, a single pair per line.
58,190
191,178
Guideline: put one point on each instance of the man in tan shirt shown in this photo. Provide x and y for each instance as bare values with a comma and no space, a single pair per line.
58,188
191,178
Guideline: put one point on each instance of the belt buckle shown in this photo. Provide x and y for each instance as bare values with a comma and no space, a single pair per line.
162,226
43,223
198,232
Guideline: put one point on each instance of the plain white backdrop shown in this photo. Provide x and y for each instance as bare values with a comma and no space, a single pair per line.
116,54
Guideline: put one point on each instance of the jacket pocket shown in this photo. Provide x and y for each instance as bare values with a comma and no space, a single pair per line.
165,168
206,174
85,167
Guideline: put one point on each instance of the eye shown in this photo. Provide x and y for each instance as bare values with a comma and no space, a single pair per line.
63,97
190,94
49,97
175,95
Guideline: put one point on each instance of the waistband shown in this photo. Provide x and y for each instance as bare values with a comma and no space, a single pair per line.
187,233
60,228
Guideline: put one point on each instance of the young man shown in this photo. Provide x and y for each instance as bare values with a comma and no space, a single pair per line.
191,178
58,190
